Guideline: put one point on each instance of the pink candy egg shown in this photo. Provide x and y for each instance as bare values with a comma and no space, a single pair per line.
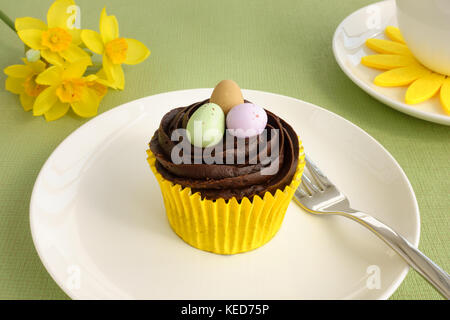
246,120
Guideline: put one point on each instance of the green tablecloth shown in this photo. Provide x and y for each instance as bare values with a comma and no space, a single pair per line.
276,46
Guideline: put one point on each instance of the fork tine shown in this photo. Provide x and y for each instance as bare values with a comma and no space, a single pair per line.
309,185
304,188
300,192
316,173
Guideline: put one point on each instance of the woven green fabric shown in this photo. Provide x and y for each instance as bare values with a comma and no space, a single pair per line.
277,46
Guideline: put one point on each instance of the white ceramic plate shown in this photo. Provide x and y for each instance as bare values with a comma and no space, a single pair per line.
349,48
99,225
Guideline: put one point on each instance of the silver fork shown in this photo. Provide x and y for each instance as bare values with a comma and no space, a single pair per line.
316,194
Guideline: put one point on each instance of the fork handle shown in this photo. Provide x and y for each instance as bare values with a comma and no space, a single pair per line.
416,259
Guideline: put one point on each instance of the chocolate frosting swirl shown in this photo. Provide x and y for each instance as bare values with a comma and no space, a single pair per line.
246,178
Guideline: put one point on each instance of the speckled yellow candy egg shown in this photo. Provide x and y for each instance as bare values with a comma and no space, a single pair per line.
227,95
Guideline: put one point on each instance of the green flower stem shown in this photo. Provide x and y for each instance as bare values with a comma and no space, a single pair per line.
7,21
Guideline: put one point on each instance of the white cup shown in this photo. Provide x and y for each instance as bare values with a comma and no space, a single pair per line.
425,25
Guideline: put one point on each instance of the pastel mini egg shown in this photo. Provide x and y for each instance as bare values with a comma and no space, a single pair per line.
246,120
206,126
227,95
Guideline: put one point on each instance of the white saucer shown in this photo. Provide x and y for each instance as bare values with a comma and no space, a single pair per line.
99,225
349,48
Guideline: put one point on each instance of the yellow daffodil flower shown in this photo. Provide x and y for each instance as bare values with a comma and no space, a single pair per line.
115,50
99,83
22,81
57,41
68,88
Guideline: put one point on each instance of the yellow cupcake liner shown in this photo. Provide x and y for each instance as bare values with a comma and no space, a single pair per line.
225,227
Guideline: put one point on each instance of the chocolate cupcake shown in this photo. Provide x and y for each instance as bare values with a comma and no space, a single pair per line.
226,188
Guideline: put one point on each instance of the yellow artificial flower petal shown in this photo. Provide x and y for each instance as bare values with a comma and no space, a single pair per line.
405,70
14,85
51,76
32,38
394,34
59,14
387,46
445,95
52,57
18,71
74,53
424,88
109,27
45,101
137,52
29,23
93,40
87,106
114,73
57,111
387,61
76,69
27,101
400,76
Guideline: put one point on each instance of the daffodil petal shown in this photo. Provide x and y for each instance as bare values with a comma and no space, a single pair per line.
136,52
114,73
37,66
445,95
44,101
99,88
76,36
93,41
400,76
18,71
52,57
14,85
29,23
76,69
97,84
109,27
387,46
91,77
424,88
101,74
50,77
74,53
31,37
387,61
394,34
27,101
60,15
58,110
102,78
87,106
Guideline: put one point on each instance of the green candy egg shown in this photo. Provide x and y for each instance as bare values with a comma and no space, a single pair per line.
206,126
